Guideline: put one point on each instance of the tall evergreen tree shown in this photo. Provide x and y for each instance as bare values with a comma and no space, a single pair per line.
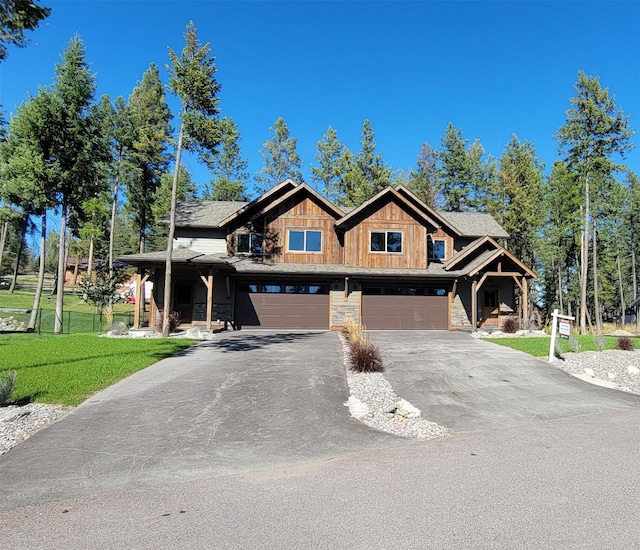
229,167
594,139
78,152
374,173
423,180
281,159
193,80
148,159
329,173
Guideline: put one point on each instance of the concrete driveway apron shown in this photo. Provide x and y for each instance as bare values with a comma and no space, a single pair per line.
468,384
245,400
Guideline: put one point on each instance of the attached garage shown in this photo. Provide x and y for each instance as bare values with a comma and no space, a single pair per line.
282,306
405,308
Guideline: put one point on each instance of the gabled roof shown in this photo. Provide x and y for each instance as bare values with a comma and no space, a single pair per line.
385,196
280,189
481,253
475,224
263,208
204,213
432,213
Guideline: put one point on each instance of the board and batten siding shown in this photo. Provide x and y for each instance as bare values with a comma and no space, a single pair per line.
303,214
391,217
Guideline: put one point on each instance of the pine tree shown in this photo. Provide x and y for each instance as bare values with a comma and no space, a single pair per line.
229,167
328,175
594,139
375,174
16,17
423,180
192,79
281,159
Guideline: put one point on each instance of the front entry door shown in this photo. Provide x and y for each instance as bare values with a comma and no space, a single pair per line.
490,308
183,301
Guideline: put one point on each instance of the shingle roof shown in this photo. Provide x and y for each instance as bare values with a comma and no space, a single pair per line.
473,224
204,213
178,255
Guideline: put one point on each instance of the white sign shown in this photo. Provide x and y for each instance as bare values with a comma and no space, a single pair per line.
564,328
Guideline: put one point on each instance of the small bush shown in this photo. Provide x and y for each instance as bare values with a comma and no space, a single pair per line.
574,344
353,332
365,356
625,343
174,321
600,342
510,325
7,381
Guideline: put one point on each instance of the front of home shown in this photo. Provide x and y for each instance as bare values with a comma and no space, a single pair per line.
291,259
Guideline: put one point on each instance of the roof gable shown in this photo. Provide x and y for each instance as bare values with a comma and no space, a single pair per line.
205,214
480,254
439,220
385,196
475,224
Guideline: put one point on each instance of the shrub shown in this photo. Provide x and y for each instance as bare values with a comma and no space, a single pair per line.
7,382
174,321
625,343
353,332
510,325
600,342
364,356
574,344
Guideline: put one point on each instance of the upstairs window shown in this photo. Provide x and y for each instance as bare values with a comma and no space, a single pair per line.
436,249
249,243
386,241
305,240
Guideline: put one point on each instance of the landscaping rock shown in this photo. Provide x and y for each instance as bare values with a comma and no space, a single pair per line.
633,370
357,408
194,333
404,409
118,329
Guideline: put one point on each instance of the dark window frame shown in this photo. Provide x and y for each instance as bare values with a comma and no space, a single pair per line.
387,244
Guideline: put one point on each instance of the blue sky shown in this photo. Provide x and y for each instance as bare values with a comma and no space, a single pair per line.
490,68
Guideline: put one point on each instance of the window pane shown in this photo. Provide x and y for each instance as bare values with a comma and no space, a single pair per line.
314,241
256,243
296,240
438,249
295,289
394,241
377,242
242,242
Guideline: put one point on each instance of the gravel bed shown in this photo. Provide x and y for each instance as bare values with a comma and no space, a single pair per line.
20,423
618,368
374,391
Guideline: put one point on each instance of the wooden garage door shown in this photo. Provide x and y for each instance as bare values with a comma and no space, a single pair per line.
405,312
282,310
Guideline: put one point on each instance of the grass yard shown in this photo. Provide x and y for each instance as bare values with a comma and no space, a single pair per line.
72,302
67,369
539,347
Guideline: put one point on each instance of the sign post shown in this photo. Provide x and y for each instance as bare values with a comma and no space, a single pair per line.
561,324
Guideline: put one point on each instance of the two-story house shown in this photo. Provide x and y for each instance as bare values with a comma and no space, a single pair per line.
291,259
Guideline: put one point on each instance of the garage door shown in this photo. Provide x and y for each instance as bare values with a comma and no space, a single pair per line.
293,307
405,312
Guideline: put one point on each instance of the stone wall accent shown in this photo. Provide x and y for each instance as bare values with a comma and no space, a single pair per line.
459,316
345,308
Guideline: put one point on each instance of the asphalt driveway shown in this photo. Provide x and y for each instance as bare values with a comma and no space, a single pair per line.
468,384
242,401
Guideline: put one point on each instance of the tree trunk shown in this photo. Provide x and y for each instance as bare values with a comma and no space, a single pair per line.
57,328
560,291
90,258
623,306
16,267
112,228
596,289
36,299
172,228
3,240
76,268
584,260
635,287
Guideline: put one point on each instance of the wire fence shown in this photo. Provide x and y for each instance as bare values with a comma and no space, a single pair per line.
73,322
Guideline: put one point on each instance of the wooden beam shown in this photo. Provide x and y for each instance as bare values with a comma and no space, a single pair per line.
209,297
525,301
136,312
503,273
517,280
474,305
484,278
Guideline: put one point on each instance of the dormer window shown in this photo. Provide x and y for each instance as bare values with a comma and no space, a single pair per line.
386,241
436,249
249,243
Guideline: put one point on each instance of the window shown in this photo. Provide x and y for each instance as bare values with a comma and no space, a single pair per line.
305,240
249,243
435,248
386,241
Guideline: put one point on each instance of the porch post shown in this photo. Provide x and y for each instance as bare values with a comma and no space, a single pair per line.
474,305
525,302
209,297
136,310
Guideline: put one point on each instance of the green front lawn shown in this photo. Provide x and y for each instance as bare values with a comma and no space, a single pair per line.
539,347
67,369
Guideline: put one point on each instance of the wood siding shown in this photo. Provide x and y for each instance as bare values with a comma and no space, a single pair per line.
390,217
208,241
303,214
